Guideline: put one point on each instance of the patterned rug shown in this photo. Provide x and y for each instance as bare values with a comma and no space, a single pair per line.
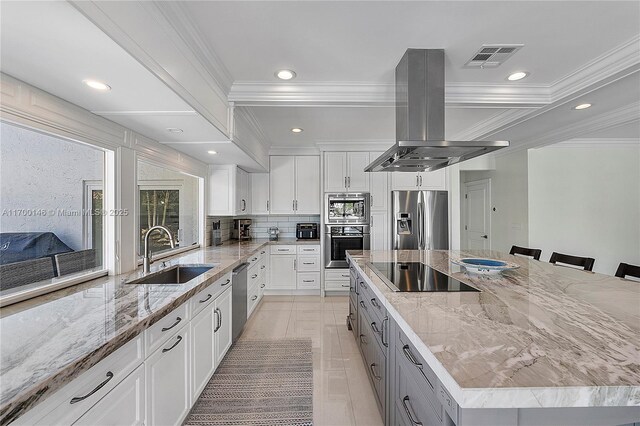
259,382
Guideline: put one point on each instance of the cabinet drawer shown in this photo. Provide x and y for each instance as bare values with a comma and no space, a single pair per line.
416,366
88,388
205,297
376,364
308,280
336,275
283,249
254,259
253,297
158,333
308,249
254,276
336,285
412,405
309,263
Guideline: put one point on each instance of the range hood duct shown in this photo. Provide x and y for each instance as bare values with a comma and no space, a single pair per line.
420,143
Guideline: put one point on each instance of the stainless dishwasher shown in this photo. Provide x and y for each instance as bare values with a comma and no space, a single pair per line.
239,297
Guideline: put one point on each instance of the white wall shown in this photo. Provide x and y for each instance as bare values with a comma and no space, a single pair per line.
44,172
585,201
509,188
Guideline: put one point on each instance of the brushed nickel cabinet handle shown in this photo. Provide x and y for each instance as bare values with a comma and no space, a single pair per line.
373,372
178,319
96,389
405,401
254,298
227,282
209,296
178,340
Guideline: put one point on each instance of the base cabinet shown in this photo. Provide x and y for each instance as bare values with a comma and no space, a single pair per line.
203,362
167,384
223,334
125,406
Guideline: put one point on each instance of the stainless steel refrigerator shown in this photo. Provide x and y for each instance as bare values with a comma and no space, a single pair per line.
420,220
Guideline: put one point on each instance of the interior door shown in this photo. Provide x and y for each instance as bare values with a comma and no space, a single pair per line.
477,203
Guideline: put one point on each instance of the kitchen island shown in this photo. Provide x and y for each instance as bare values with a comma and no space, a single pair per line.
542,344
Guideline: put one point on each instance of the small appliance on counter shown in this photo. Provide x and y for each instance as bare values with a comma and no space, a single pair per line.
216,234
241,229
273,233
307,231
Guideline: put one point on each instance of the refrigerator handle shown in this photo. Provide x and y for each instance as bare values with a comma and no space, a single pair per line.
420,225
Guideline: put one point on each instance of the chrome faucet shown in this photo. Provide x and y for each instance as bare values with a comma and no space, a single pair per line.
146,259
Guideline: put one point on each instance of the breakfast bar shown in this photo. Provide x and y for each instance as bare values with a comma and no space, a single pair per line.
540,344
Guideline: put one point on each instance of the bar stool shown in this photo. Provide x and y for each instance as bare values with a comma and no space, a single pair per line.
625,269
584,262
524,251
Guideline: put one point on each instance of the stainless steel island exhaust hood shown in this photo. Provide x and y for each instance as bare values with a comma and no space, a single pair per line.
421,145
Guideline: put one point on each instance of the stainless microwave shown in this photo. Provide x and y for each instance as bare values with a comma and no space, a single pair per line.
347,209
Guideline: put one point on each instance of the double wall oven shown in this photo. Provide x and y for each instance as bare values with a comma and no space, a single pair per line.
346,227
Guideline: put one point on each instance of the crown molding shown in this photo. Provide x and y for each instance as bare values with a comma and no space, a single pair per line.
355,145
147,113
487,126
597,142
293,150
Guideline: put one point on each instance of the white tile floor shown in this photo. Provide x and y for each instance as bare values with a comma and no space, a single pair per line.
342,394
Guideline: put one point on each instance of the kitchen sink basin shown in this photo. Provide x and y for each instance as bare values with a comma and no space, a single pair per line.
178,274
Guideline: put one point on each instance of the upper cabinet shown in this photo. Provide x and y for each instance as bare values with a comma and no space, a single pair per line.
294,185
379,188
344,171
228,191
259,193
436,180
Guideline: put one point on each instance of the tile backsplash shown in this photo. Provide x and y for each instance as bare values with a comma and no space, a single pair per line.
260,225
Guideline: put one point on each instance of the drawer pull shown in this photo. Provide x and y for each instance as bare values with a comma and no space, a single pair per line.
346,285
363,285
405,404
411,358
218,320
362,339
363,305
96,389
373,372
308,249
254,298
345,275
254,276
386,344
178,319
209,296
254,259
283,249
310,263
263,252
263,266
375,328
375,303
228,281
308,281
178,340
261,285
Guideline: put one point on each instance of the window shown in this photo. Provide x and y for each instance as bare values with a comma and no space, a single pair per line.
51,202
170,199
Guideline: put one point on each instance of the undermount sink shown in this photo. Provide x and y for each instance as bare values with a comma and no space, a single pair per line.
178,274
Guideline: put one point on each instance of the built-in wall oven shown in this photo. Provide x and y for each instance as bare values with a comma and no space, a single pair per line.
347,209
341,238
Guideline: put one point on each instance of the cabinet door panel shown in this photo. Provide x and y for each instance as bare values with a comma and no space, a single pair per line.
202,350
434,180
307,184
335,171
378,187
167,381
379,231
260,193
282,184
282,274
221,190
223,333
404,181
124,405
358,179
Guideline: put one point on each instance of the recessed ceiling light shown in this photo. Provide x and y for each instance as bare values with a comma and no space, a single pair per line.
297,130
285,74
582,106
212,152
98,85
517,76
174,130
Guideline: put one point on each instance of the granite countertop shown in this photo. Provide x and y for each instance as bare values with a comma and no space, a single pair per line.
538,336
49,340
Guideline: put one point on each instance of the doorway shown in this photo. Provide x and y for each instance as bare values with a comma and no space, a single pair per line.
476,205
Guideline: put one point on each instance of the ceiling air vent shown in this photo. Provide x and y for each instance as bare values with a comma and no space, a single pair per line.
492,55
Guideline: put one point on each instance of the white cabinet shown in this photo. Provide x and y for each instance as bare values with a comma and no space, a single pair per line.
228,191
307,184
202,349
344,171
222,329
336,280
259,193
124,406
379,231
167,381
282,272
415,181
379,192
294,183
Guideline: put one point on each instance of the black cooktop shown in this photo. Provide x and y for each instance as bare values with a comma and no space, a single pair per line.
416,276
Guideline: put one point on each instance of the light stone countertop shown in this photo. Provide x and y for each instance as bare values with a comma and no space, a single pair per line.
539,336
47,341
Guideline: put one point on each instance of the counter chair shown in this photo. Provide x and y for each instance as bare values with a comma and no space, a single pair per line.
75,261
584,262
17,274
524,251
624,269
